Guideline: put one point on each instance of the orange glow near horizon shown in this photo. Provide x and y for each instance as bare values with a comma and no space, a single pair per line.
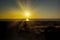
25,9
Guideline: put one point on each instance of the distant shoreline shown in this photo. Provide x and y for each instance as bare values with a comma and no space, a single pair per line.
30,19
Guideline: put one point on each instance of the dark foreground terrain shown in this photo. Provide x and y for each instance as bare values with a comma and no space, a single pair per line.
32,30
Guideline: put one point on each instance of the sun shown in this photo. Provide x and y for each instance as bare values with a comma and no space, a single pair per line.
27,14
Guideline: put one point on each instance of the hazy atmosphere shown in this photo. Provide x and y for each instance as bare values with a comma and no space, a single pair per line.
15,9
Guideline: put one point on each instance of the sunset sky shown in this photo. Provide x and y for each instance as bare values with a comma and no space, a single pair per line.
14,9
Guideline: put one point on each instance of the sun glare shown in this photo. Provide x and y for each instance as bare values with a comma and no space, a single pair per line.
27,19
27,14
